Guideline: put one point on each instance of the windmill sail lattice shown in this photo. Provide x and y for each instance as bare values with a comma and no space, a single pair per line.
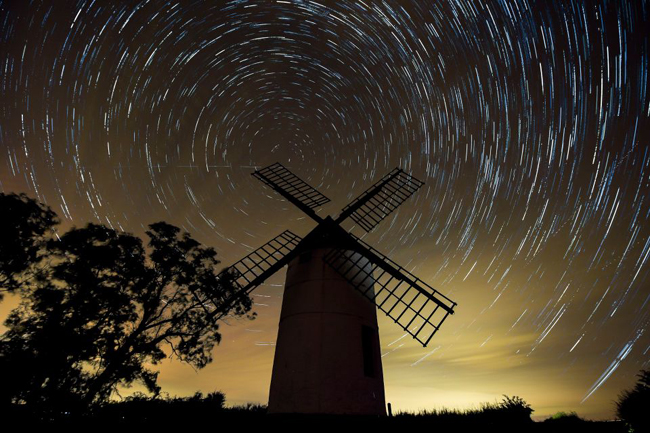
292,188
378,201
252,269
414,305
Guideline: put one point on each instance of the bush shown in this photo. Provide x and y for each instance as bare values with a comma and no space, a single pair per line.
565,418
516,406
632,405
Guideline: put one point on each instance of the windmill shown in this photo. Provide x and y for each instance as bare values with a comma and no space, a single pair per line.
327,357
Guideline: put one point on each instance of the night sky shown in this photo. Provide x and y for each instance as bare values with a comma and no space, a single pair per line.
528,121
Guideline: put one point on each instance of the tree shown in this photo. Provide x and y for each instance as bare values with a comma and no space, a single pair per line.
106,307
632,405
25,225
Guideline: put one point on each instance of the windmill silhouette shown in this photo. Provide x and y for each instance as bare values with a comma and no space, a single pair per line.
327,357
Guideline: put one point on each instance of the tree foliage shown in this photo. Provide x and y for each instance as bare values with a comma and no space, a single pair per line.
632,405
104,310
26,225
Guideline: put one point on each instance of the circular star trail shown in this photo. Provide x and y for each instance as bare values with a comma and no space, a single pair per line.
528,121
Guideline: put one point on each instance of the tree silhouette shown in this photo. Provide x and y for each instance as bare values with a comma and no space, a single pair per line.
632,405
106,307
25,227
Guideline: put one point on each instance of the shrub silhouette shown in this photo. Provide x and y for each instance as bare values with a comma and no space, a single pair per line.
516,408
632,405
511,410
565,418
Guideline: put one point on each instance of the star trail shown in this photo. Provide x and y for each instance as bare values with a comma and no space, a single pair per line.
529,122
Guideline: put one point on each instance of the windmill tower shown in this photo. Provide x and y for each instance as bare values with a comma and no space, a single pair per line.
327,357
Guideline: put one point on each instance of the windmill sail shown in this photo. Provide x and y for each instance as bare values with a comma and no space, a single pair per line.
378,201
252,270
291,187
414,305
